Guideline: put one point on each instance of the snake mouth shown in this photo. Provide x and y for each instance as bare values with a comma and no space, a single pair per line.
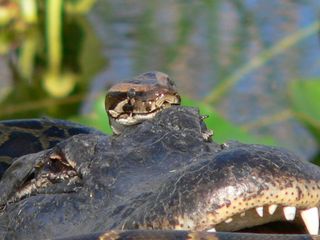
132,118
120,118
57,170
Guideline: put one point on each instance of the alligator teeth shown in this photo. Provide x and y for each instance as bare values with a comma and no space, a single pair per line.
272,209
311,220
229,220
289,213
211,230
259,211
242,214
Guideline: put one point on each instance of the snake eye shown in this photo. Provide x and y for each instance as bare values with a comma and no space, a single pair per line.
127,108
131,93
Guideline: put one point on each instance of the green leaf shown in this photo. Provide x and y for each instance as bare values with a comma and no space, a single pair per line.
97,118
305,99
224,130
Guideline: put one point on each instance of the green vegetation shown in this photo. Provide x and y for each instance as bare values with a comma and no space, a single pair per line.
223,129
56,57
305,99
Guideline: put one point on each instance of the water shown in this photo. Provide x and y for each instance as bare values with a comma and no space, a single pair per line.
199,44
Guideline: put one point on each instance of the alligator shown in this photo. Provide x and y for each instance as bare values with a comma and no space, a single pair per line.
159,175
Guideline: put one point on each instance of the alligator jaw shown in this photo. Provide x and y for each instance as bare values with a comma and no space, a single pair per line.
297,220
287,219
242,188
296,201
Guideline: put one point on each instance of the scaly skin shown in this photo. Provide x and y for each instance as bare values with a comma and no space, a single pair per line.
24,136
159,175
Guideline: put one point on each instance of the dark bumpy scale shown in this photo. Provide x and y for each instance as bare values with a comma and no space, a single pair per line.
21,137
159,175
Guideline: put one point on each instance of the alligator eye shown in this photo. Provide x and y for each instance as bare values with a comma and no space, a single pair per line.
131,93
127,108
55,166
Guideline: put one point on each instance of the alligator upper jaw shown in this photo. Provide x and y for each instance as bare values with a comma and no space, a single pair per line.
273,219
283,218
240,188
295,202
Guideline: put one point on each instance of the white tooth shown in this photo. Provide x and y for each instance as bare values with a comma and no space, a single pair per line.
272,209
289,213
259,211
311,220
242,214
211,230
229,220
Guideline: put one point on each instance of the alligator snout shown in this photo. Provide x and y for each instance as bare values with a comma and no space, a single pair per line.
242,187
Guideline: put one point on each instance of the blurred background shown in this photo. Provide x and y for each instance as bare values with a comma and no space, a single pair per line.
252,66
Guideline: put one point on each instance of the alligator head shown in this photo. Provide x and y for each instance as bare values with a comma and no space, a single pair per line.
161,174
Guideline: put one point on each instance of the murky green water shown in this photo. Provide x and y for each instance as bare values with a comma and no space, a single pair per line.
239,56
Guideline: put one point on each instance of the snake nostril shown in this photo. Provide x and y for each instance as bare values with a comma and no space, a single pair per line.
148,106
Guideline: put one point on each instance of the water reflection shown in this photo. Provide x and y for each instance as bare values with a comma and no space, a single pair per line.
201,44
